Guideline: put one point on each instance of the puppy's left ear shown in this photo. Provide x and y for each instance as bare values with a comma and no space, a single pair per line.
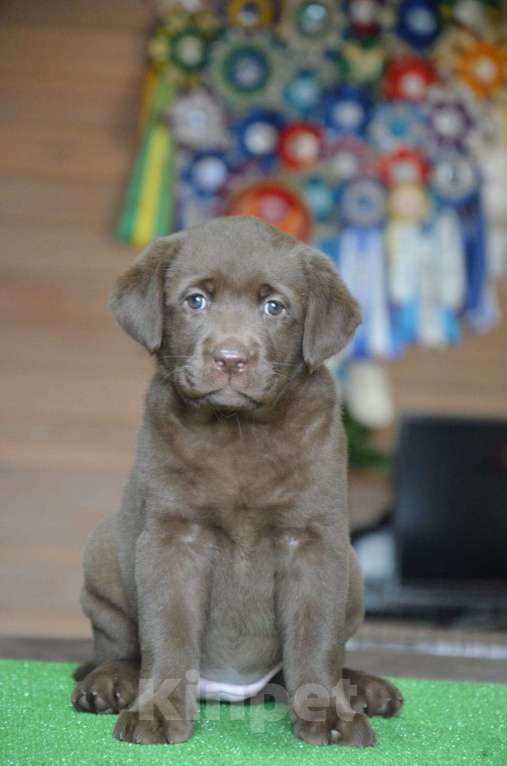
332,314
137,300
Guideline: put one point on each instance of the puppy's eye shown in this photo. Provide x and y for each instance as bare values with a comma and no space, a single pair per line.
197,301
273,308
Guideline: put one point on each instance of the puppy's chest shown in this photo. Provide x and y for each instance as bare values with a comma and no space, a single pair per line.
243,477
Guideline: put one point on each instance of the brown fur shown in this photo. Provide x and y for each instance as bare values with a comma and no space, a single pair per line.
231,549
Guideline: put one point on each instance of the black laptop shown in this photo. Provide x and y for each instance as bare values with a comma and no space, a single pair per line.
443,549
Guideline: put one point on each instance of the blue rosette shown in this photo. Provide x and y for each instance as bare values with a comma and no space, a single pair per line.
345,111
419,23
257,136
303,91
398,124
455,179
320,197
206,173
363,203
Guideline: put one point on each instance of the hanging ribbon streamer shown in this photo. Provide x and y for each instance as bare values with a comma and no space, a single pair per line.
481,311
449,266
148,207
178,53
441,281
362,265
426,279
405,244
492,154
455,183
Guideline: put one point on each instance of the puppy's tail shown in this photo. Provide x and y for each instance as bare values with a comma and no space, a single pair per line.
83,670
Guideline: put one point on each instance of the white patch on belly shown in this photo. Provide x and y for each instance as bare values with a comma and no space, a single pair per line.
233,686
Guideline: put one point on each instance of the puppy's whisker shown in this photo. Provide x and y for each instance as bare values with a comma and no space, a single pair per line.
239,429
188,375
169,357
172,374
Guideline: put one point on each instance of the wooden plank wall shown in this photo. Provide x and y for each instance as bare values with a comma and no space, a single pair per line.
71,385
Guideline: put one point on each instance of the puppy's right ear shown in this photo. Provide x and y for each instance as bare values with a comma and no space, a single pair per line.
137,300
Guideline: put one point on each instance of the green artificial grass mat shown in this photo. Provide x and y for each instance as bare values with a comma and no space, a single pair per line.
442,723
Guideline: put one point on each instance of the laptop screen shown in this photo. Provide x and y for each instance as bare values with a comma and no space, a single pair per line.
450,520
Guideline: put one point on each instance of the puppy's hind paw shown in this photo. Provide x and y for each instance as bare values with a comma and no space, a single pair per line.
108,689
373,695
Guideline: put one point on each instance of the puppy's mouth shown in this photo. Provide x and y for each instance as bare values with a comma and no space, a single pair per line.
223,395
226,397
230,397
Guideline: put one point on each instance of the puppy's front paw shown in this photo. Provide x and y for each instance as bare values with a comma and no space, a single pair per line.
108,689
355,730
131,726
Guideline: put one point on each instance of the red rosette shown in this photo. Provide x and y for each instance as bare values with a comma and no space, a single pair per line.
408,78
301,145
403,165
365,17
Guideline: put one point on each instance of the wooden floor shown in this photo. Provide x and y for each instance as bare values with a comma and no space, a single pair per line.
71,384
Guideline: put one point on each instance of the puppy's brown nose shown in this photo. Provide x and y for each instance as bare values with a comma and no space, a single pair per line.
231,359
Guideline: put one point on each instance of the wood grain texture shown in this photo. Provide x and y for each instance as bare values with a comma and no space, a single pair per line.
71,385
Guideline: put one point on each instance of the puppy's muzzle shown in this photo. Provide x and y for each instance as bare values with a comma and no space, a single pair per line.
232,359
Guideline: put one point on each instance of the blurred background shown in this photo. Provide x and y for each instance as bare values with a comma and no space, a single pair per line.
375,130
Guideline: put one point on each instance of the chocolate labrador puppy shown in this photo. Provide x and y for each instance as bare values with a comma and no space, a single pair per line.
230,555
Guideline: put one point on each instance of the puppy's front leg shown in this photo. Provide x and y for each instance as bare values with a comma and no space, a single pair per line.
172,565
311,600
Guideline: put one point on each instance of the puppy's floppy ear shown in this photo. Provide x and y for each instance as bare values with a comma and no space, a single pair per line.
137,300
332,314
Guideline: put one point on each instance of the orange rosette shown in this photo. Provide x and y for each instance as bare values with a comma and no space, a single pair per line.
482,65
275,203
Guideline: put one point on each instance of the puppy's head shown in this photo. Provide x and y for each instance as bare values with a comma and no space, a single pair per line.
233,309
